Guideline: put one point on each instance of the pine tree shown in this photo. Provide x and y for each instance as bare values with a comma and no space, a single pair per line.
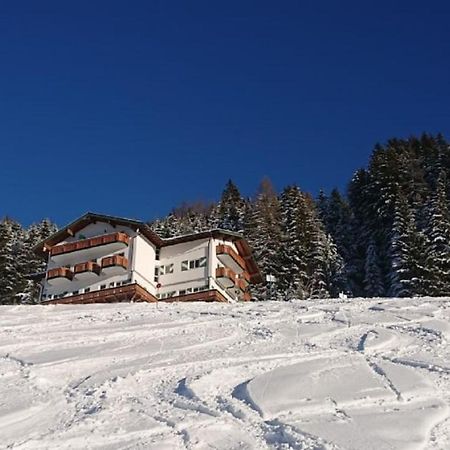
409,254
336,216
360,232
373,280
34,264
229,213
438,232
12,280
262,230
293,252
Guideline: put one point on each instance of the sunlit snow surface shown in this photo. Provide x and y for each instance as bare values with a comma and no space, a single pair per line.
359,374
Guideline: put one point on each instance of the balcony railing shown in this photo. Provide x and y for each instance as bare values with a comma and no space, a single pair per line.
228,278
87,267
60,272
226,273
115,261
96,241
230,258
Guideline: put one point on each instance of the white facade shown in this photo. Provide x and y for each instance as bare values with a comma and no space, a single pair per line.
165,271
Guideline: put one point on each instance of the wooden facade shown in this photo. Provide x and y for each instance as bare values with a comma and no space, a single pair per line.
128,293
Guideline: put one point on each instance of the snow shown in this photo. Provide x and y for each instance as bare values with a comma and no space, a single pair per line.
322,374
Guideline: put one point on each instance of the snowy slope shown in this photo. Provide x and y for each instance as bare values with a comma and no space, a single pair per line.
360,374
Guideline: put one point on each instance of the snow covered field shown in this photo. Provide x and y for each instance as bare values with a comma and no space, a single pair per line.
360,374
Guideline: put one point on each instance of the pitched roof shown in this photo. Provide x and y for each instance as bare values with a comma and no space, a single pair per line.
78,224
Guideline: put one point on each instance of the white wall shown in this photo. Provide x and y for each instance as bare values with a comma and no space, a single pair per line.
175,254
143,263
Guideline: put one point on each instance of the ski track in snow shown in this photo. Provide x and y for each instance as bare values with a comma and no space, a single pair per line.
322,374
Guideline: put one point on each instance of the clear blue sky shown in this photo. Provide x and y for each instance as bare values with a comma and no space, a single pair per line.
129,108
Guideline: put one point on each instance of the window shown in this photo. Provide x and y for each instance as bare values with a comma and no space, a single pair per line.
201,288
182,292
167,295
75,293
86,290
193,264
103,286
157,252
164,270
111,284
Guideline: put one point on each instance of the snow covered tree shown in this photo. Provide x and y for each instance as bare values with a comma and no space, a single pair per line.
336,216
229,213
373,280
262,230
34,264
409,254
293,252
438,231
12,259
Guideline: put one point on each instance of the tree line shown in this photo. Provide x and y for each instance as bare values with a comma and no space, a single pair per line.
387,235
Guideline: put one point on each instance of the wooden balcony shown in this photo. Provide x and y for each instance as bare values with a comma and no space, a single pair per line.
235,285
129,293
86,270
59,276
211,295
226,277
114,264
229,258
114,241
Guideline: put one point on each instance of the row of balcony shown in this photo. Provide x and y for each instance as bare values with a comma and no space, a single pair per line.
115,241
110,265
90,247
233,282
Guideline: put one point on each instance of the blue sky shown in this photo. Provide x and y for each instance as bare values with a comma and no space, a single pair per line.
130,108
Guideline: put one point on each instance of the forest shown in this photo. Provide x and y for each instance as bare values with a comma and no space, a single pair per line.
387,235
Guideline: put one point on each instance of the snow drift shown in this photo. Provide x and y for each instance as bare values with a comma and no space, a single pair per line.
356,374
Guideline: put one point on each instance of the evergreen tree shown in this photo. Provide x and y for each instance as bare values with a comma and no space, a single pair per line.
293,277
34,264
229,213
409,256
12,279
360,232
373,280
438,232
262,230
